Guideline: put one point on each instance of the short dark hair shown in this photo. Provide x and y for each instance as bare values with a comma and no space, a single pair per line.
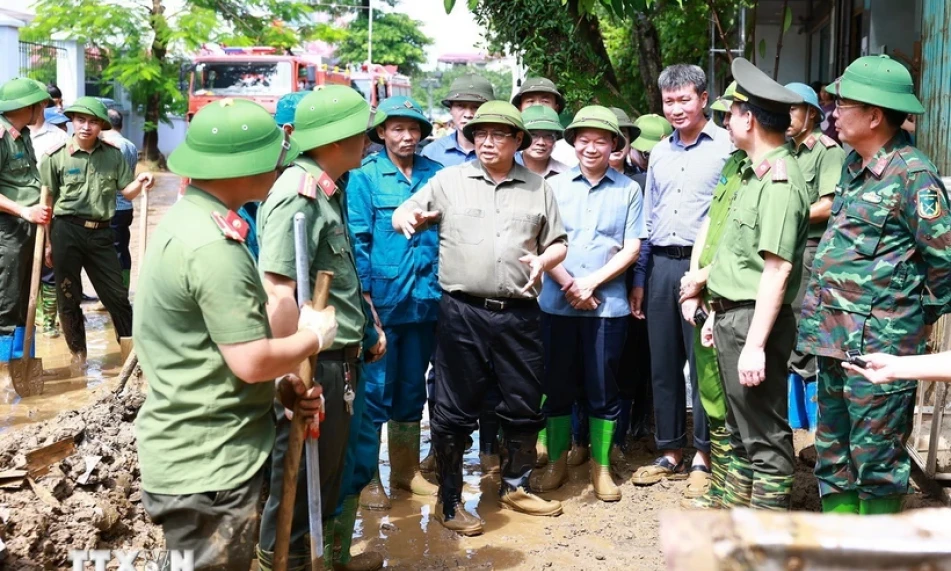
54,91
768,120
893,118
679,75
115,118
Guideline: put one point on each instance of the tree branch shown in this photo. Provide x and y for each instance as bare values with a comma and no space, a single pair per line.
723,38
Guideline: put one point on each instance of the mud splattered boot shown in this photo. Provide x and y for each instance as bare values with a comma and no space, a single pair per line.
541,449
428,464
738,483
515,491
404,459
450,511
602,435
578,454
47,309
771,492
553,475
881,506
373,496
294,560
841,503
489,458
343,526
720,454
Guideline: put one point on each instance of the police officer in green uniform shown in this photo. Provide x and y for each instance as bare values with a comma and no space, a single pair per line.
330,125
820,159
21,102
752,282
83,177
693,296
204,342
882,274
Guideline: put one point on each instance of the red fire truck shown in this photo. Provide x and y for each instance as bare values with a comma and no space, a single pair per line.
377,82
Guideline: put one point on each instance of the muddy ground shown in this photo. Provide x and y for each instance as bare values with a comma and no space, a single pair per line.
41,524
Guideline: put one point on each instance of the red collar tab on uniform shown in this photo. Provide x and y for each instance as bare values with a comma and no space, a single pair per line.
810,141
14,132
307,186
762,168
71,148
779,171
878,167
828,141
232,226
327,184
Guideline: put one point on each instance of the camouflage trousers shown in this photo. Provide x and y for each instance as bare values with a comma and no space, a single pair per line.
861,434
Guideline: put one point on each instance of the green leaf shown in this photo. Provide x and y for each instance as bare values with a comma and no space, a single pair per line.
449,5
473,4
787,19
762,48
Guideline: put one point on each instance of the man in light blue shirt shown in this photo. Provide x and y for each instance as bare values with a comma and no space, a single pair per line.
466,94
682,173
585,299
122,219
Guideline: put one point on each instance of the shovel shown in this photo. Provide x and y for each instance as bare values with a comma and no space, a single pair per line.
26,373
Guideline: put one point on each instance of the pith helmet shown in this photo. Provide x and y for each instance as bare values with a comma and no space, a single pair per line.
287,106
21,92
469,88
501,113
332,113
232,138
630,130
405,107
541,118
723,102
89,106
809,96
879,81
539,85
595,117
653,130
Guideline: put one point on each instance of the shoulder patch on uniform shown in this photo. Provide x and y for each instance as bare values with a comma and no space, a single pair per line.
916,161
929,202
232,226
55,148
779,171
307,186
828,141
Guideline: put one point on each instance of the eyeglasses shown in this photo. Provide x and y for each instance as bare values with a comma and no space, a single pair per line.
496,136
547,137
839,105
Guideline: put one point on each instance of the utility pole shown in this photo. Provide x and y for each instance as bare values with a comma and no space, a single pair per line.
370,33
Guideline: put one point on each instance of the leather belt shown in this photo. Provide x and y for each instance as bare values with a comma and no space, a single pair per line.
495,304
677,252
349,354
85,223
722,305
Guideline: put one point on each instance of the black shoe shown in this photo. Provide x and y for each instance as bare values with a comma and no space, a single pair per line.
89,298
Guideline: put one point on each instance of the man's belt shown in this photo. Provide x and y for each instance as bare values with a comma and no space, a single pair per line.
678,252
349,354
84,222
495,304
722,305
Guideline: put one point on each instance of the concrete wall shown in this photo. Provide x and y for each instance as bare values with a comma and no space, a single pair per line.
170,136
793,62
894,25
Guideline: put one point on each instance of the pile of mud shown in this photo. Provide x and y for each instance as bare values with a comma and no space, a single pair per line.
89,500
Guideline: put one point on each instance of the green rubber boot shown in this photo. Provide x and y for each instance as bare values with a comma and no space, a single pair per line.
720,456
881,506
541,445
602,436
46,310
126,278
738,483
343,526
554,474
771,492
841,503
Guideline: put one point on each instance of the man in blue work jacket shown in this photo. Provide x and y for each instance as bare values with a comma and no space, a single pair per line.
399,280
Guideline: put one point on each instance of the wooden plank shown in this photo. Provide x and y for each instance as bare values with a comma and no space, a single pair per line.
38,462
12,479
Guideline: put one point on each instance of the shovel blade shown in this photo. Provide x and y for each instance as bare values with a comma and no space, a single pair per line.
26,376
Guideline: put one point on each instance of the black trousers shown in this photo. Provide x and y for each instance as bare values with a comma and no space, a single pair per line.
671,346
76,248
634,379
477,349
17,238
121,223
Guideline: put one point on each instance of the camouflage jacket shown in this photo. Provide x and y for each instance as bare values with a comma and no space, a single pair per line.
883,267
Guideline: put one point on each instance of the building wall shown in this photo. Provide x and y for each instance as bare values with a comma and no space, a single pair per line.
169,136
894,25
793,61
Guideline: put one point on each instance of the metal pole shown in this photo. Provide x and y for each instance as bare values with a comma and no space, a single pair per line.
370,33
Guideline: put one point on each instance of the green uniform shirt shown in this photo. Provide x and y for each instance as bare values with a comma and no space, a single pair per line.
770,213
201,428
85,184
302,188
19,177
719,211
820,159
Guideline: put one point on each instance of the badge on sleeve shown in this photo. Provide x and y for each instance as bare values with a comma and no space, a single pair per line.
779,171
232,226
929,203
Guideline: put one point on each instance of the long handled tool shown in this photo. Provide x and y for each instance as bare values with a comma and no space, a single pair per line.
131,362
26,373
296,439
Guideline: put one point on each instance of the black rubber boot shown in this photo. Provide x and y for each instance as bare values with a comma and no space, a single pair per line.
515,492
450,511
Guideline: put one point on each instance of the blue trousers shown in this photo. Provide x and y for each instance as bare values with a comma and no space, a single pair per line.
582,360
395,389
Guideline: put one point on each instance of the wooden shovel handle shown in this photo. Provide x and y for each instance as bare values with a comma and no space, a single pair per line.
38,251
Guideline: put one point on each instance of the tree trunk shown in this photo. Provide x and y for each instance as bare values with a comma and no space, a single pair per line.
589,30
153,105
779,41
649,61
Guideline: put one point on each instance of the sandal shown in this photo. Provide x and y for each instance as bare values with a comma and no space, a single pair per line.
698,482
661,468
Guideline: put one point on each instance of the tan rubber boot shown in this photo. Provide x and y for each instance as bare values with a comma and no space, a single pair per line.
552,476
404,459
125,347
578,454
369,561
373,496
462,522
491,463
604,487
523,501
428,464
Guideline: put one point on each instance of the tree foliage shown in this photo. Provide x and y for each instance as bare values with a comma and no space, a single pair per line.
397,40
501,82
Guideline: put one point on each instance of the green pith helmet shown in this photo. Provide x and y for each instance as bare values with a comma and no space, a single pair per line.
724,102
332,113
629,129
653,130
501,113
405,107
879,81
232,138
595,117
469,88
89,106
542,118
21,92
539,85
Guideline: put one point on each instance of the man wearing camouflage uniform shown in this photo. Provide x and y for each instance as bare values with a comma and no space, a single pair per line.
882,274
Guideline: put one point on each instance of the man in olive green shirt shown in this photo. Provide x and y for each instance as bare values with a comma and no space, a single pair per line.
752,282
330,125
21,102
204,341
83,177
